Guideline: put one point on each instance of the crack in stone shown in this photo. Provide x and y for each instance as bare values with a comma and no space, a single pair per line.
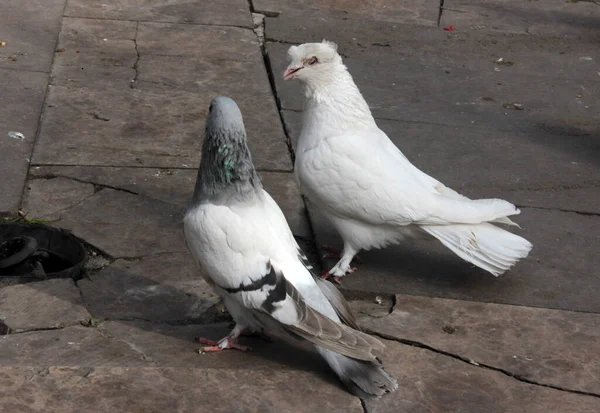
137,59
97,186
158,21
132,346
269,69
517,377
593,214
32,330
97,116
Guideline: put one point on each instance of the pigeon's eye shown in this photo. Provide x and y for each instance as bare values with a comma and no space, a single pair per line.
313,60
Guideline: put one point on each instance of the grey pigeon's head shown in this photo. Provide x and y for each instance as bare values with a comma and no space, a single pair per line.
310,62
226,164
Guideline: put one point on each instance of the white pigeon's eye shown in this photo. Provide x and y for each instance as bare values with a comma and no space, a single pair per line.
313,60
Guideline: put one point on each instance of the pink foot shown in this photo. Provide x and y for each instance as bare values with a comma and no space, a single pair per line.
224,344
327,276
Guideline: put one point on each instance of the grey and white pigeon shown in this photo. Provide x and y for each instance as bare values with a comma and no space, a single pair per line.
369,190
240,238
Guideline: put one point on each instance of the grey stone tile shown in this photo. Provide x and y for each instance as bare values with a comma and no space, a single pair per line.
560,272
29,30
480,162
174,186
227,12
157,390
70,346
454,79
23,96
48,198
431,382
164,287
552,347
177,346
45,304
126,225
420,12
553,18
162,114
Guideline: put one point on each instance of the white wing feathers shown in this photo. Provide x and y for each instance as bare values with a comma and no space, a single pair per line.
382,187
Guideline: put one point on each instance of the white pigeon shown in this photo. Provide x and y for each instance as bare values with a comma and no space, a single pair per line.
369,190
242,242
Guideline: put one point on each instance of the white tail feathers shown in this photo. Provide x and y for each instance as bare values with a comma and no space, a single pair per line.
463,211
365,379
484,245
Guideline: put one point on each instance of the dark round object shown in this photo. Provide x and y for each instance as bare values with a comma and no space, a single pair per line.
16,250
59,253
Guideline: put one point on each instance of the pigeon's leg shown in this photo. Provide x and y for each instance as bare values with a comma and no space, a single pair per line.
228,342
343,265
333,252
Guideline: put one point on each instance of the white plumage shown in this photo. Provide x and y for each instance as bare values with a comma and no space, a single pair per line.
369,190
239,237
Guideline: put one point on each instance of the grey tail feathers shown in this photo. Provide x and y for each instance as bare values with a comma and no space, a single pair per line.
365,379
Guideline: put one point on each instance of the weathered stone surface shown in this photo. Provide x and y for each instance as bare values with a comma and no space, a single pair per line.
29,31
164,287
433,383
549,18
450,154
455,81
176,186
421,12
70,346
226,12
49,198
177,346
23,95
126,225
45,304
560,272
583,200
553,347
158,390
162,113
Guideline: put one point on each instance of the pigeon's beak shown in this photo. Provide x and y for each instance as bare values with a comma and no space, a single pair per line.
290,71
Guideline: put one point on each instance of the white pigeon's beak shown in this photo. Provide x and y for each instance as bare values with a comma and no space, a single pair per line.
290,71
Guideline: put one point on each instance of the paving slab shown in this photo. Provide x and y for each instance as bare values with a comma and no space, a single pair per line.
458,82
70,346
560,272
431,382
177,346
48,198
448,153
165,287
126,225
548,18
29,31
45,304
174,186
227,12
158,121
552,347
421,12
178,390
23,96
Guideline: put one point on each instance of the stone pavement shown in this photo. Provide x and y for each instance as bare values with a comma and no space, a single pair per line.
110,98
